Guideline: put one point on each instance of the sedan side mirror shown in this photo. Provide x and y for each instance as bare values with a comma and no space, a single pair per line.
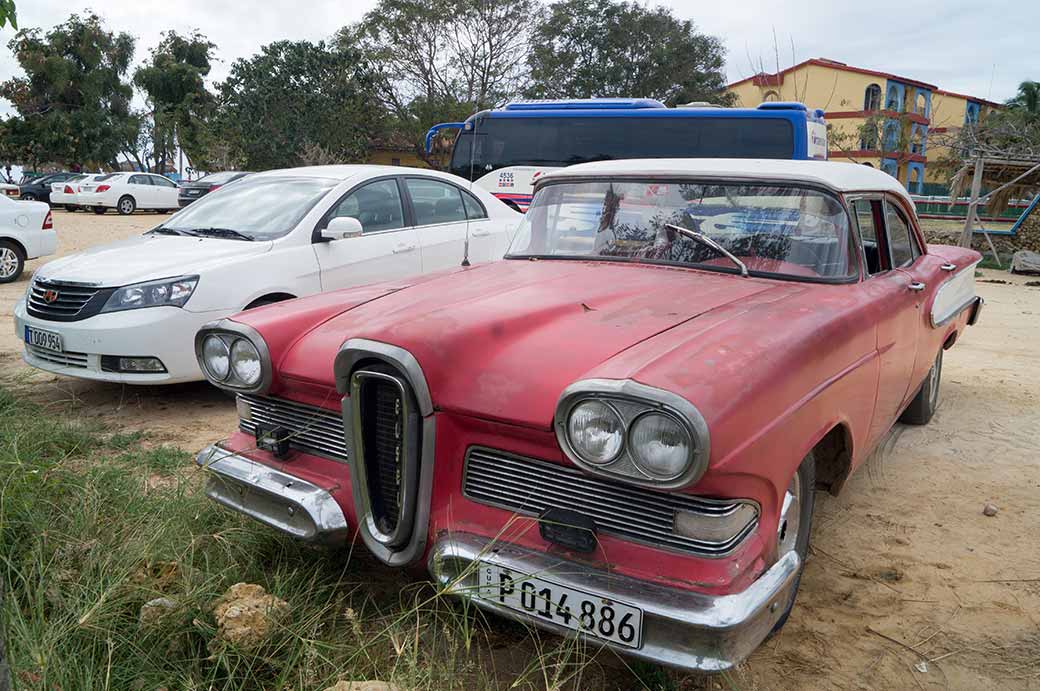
342,227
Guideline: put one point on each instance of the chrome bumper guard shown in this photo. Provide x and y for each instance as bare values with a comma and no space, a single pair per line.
284,502
683,629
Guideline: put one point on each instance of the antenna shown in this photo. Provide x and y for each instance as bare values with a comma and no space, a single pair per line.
472,143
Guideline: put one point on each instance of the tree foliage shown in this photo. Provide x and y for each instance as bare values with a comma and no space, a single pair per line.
8,14
603,48
173,84
293,95
442,60
1027,99
73,104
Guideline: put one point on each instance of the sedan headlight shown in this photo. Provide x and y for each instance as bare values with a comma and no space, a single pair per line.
233,356
170,291
634,432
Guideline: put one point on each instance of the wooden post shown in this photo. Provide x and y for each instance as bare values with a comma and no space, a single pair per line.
976,187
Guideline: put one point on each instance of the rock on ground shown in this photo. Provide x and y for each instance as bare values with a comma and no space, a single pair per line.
363,686
246,615
154,610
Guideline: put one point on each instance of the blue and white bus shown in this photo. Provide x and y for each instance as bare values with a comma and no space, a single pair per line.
506,149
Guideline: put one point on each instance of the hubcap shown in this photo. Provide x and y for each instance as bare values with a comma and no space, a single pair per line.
8,262
790,518
127,207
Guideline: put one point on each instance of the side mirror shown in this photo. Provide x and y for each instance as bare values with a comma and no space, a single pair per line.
342,227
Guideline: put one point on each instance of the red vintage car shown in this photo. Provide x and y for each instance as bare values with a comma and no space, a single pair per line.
618,429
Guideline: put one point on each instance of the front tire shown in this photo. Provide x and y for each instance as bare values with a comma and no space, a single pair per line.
126,205
795,526
12,261
922,408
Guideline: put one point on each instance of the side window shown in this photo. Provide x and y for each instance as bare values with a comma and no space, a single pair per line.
377,206
435,202
139,180
868,213
161,181
900,238
474,209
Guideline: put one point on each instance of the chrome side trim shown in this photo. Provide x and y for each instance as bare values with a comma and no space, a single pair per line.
681,628
653,399
229,326
954,296
282,501
350,354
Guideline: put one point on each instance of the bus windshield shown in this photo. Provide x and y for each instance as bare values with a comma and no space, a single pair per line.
533,141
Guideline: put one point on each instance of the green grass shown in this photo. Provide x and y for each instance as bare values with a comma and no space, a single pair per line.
92,526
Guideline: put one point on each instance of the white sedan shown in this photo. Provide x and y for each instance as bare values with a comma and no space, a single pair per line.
128,311
26,232
127,192
64,194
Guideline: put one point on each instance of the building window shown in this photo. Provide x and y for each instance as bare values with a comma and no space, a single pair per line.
892,102
771,96
872,98
921,103
869,138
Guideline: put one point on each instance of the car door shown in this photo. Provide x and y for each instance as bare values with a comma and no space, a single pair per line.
165,191
897,314
440,222
926,274
140,188
388,247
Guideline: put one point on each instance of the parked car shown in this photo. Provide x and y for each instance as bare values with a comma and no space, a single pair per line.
64,194
26,232
38,189
10,190
128,311
618,429
193,191
128,192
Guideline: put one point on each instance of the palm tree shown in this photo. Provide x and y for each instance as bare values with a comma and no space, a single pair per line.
1028,97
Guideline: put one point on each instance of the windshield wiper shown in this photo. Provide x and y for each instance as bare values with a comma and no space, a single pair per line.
218,233
705,240
162,230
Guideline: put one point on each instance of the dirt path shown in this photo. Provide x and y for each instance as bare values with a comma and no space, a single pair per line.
904,553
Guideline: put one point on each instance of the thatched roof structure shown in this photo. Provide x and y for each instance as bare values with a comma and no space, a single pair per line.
1021,177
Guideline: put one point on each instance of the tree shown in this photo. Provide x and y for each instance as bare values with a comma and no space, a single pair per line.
441,60
7,14
73,103
603,48
1027,99
173,83
293,95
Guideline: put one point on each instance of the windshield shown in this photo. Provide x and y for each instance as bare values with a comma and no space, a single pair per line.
501,142
258,207
773,229
219,178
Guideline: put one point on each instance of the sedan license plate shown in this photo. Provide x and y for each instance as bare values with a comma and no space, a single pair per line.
590,614
47,340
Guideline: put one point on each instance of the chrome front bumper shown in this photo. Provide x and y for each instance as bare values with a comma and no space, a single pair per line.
684,629
284,502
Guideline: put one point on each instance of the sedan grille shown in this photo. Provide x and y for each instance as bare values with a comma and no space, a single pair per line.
312,430
67,302
529,486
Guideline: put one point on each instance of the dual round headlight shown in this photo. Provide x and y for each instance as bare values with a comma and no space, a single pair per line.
658,444
240,358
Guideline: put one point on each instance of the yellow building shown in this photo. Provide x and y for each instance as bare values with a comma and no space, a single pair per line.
873,117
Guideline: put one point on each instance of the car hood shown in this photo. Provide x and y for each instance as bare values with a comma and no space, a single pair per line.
501,341
147,257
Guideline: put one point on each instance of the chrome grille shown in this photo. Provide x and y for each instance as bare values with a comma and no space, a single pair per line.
62,359
529,486
312,430
73,302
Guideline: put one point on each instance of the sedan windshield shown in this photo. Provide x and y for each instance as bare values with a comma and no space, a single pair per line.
771,229
256,208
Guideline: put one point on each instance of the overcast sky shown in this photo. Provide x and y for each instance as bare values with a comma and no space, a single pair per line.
982,49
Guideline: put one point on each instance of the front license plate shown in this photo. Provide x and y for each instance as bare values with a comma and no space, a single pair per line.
581,611
47,340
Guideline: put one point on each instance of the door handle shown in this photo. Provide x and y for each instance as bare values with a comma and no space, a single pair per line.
480,233
401,249
916,286
948,267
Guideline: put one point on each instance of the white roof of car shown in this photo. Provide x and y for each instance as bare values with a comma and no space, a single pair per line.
344,172
843,177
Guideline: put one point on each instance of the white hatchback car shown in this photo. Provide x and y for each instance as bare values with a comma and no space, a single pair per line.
26,232
127,192
128,311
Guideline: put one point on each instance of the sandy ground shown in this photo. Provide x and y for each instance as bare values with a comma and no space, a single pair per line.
908,585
